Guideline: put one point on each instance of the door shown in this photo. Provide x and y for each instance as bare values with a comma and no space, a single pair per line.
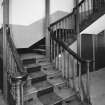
87,50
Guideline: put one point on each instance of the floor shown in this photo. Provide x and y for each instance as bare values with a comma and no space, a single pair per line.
2,102
97,87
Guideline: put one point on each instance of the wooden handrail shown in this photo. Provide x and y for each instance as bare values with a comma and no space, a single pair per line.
70,14
66,16
16,73
60,47
15,54
75,20
78,5
76,56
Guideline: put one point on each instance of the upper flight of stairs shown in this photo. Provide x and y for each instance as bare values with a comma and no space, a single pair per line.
45,84
40,46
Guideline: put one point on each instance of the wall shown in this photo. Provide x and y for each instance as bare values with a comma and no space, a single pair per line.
95,28
24,13
25,36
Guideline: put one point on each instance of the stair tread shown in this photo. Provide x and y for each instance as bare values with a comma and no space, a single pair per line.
64,92
33,102
29,90
39,49
36,74
50,99
37,87
56,80
75,102
38,64
50,70
31,55
41,60
42,85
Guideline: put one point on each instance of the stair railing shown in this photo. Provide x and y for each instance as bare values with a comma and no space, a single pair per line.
62,30
86,9
69,21
16,74
69,25
69,63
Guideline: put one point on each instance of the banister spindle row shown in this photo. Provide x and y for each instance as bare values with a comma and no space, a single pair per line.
88,8
69,63
16,74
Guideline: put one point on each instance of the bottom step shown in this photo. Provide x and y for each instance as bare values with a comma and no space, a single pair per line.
64,92
50,99
74,101
33,102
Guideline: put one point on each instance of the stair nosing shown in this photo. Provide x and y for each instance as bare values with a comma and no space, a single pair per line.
30,93
44,88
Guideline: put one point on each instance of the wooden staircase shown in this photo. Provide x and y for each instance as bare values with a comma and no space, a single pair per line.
69,36
45,84
40,81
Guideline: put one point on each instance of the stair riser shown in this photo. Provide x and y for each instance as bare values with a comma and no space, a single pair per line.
36,94
42,47
53,75
30,97
59,103
41,60
39,79
34,69
39,52
59,86
29,61
45,91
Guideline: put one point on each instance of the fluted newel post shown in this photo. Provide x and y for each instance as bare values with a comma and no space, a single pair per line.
18,81
5,21
18,93
88,81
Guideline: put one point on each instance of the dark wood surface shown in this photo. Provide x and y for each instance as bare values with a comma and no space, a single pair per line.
87,49
1,59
